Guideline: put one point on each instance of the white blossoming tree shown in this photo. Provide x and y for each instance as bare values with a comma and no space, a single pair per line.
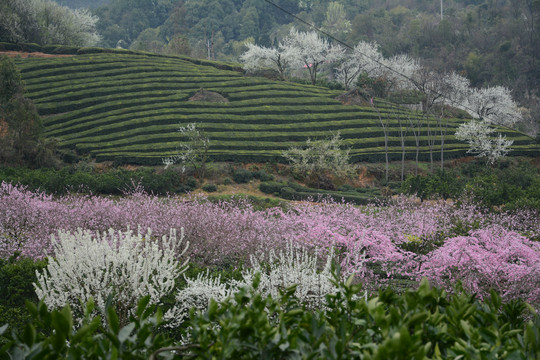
489,106
47,22
294,265
478,134
309,50
113,268
494,105
197,294
398,71
260,57
364,58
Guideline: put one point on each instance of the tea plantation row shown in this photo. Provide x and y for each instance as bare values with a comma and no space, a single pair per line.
126,107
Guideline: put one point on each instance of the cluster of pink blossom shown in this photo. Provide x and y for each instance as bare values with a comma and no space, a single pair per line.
373,241
491,258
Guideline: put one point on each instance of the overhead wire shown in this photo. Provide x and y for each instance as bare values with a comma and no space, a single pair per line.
339,41
365,55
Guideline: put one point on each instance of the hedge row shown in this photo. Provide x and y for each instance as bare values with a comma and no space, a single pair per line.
79,99
274,156
172,105
263,142
113,182
65,104
234,147
71,50
77,73
227,125
293,191
274,115
126,106
164,133
84,87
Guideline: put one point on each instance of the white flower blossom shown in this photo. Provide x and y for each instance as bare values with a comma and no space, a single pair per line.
113,268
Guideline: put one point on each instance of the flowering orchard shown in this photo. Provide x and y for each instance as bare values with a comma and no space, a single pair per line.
405,239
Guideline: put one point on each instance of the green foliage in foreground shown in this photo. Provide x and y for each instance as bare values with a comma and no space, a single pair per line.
419,324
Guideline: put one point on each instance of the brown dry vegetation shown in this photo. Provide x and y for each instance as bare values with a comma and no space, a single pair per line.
210,96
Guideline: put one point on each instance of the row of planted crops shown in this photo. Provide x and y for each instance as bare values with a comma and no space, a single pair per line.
127,107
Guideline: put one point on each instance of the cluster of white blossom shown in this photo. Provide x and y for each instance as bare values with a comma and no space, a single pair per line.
298,49
477,133
493,105
294,266
259,57
114,268
197,293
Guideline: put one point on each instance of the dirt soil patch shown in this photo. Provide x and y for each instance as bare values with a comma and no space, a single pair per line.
354,97
209,96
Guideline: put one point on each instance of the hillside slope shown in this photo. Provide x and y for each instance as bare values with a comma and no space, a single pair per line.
127,107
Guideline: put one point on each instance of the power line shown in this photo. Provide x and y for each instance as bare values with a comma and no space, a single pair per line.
338,40
367,56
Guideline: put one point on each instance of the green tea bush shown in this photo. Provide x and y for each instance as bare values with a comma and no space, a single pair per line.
16,279
443,184
422,323
242,176
510,184
288,193
271,187
51,335
209,187
16,287
263,175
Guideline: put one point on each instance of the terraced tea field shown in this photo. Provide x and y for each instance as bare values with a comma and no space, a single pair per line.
127,108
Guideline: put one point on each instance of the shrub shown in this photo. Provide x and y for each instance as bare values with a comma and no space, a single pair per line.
16,280
263,175
209,188
118,268
16,287
418,324
271,187
294,266
287,193
227,181
191,183
242,176
50,334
